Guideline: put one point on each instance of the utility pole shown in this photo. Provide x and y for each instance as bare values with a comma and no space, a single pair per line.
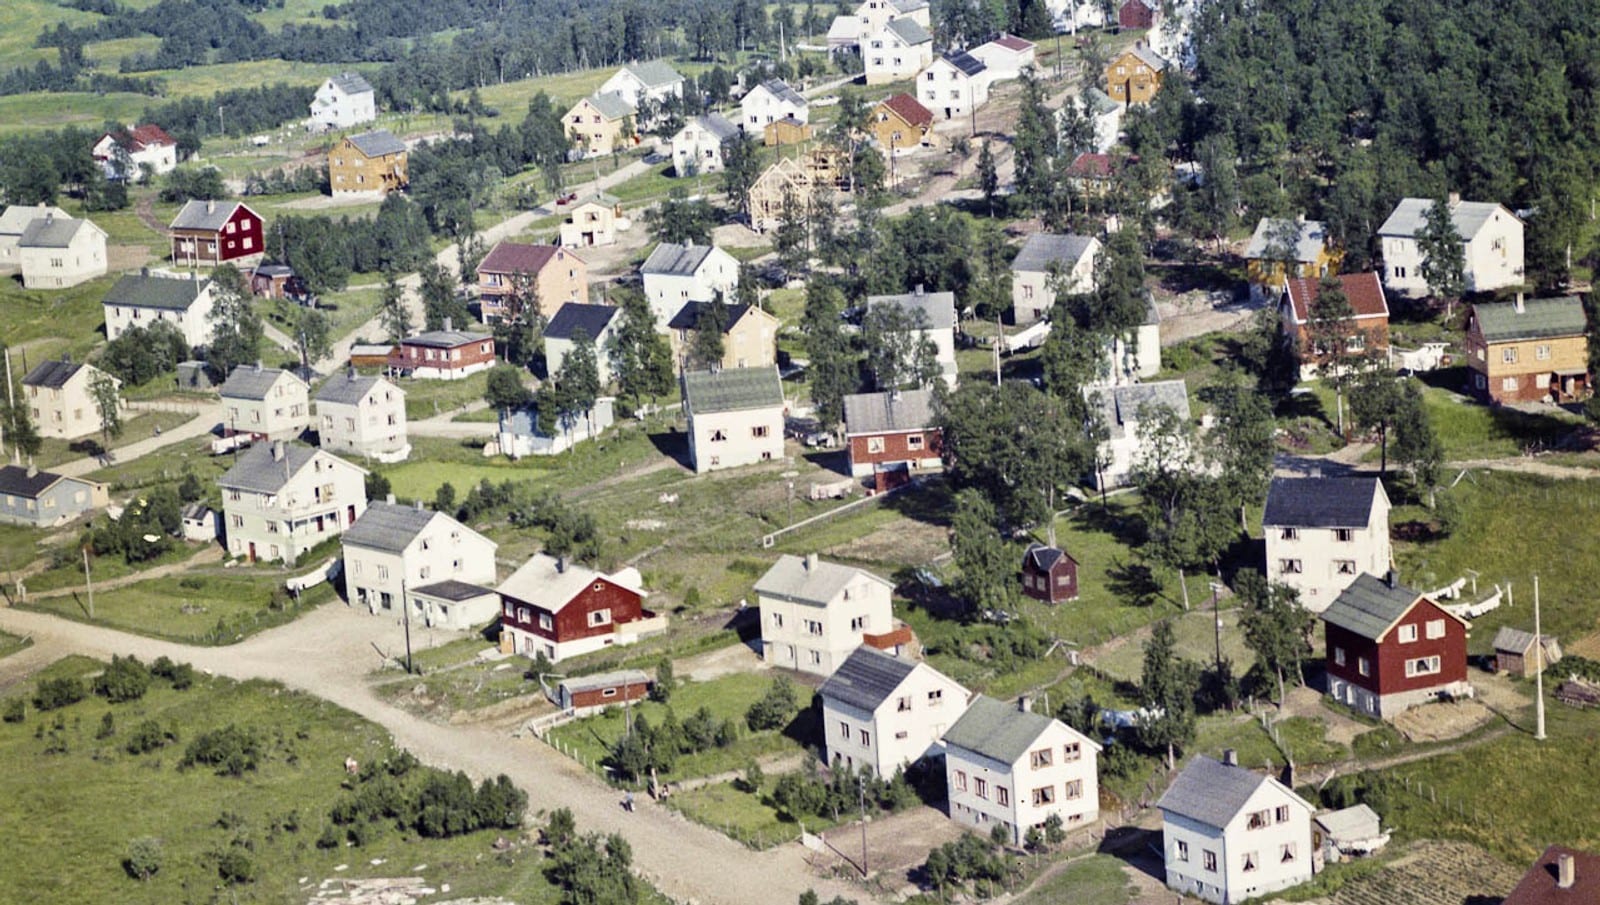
1216,619
405,617
88,585
1538,668
861,781
999,337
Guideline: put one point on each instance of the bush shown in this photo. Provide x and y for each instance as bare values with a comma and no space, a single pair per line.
54,694
232,750
181,675
108,726
235,867
775,709
126,679
147,737
330,837
16,710
144,858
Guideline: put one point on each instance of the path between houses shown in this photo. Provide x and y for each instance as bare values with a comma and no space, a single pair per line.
329,651
210,553
206,417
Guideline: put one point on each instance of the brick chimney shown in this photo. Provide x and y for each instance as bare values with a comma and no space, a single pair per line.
1566,871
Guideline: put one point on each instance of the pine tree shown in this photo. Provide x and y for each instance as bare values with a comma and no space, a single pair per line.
706,348
1444,257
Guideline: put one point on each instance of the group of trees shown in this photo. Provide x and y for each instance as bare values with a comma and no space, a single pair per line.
325,251
840,791
400,791
645,749
588,868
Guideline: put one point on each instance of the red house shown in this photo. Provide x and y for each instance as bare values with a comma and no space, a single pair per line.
561,609
1390,648
587,694
447,354
892,432
1139,14
1049,574
214,232
1561,876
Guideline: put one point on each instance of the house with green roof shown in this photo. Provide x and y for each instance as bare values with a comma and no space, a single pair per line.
1528,350
735,417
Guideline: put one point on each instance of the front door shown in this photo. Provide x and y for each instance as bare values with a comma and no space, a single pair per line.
350,515
252,551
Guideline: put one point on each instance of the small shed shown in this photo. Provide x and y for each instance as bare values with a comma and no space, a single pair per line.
1514,652
1348,833
786,131
587,694
1576,692
455,604
1049,574
192,375
199,523
370,355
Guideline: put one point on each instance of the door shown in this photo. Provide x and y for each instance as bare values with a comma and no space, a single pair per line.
252,551
350,515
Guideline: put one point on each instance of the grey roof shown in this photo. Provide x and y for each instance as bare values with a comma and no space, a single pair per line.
451,589
51,232
606,680
592,319
257,471
997,730
717,125
1517,640
1312,236
1120,405
866,678
1411,215
143,291
204,215
16,218
389,527
445,339
939,306
688,317
966,62
909,30
1538,319
1044,558
15,480
1359,822
1369,606
877,413
347,388
904,7
251,382
780,89
1045,249
351,83
1321,502
1152,59
654,73
378,143
1100,102
611,105
798,580
51,374
732,390
676,260
1210,792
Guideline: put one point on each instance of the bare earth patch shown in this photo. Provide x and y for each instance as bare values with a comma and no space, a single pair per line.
1438,722
902,542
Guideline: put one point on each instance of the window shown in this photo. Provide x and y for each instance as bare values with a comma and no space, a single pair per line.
1508,384
1344,535
1181,850
1041,758
1422,666
1073,790
1435,629
816,658
844,730
903,705
760,431
718,436
1286,853
1002,796
1344,567
547,623
1044,795
914,441
600,617
1542,352
936,697
1508,355
1338,656
1252,860
1363,666
1208,859
1071,751
1259,820
1408,634
961,781
980,787
1281,815
874,444
777,620
1289,566
813,627
608,693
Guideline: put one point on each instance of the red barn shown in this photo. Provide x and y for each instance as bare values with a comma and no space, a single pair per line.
892,431
562,609
1390,648
215,232
1139,14
1049,574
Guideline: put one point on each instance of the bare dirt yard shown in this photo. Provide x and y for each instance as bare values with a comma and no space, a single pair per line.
1432,873
1442,721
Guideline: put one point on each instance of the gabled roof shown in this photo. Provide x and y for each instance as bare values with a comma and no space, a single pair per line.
1351,824
517,257
1013,43
451,589
350,388
1411,215
999,731
732,390
1364,291
606,680
138,138
389,527
351,83
1313,236
209,215
688,317
1090,165
445,339
866,679
1042,250
258,472
16,218
909,31
909,109
1119,406
879,413
1148,56
1539,319
654,73
548,583
252,382
1540,885
1371,606
52,232
906,7
1100,102
964,62
940,307
780,89
1518,641
377,143
1045,558
1212,793
16,481
669,259
716,125
573,316
145,291
611,105
51,375
600,198
1342,502
810,581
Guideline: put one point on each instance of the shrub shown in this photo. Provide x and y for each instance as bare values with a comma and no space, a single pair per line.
54,694
108,726
775,708
235,867
148,736
232,750
126,679
144,858
330,837
16,710
181,675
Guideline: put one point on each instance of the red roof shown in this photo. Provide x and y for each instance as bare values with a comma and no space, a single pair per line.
1362,289
1012,42
907,108
1541,884
514,257
1093,166
145,136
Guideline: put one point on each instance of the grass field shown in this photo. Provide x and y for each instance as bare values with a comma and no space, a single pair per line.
1099,879
427,398
741,815
47,324
136,426
10,644
21,21
32,112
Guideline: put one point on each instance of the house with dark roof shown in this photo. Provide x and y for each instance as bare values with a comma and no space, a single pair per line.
281,499
597,323
1121,409
938,311
141,299
749,334
900,125
343,101
1390,648
125,154
59,399
1007,765
60,252
214,232
1561,876
1366,332
514,273
953,85
393,550
1491,245
600,124
444,354
697,147
1231,834
675,275
369,162
1049,574
363,416
771,102
451,604
14,221
1529,349
564,609
266,403
1005,57
883,713
1321,533
735,417
653,80
814,613
892,431
898,50
1516,653
44,499
1051,264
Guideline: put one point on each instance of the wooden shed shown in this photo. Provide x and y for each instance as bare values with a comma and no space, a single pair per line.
1049,574
586,694
1514,653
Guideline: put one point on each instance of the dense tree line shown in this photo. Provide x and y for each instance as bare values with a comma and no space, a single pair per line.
325,251
71,73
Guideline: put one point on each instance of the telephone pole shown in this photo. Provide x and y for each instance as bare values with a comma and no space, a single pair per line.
1538,669
88,584
405,618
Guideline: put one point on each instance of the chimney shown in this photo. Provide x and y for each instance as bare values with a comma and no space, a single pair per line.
1566,871
1025,703
1316,470
448,326
258,366
1392,579
144,271
561,563
277,450
350,372
918,290
33,470
1518,304
811,562
389,499
211,206
49,217
1230,757
1455,198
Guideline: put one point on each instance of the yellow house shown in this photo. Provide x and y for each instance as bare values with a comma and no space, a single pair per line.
601,124
1134,76
786,131
369,162
1275,240
1525,351
900,124
749,338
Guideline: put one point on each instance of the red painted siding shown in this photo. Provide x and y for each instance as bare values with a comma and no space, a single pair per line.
245,240
896,447
597,697
1134,14
572,623
1061,582
472,353
1387,660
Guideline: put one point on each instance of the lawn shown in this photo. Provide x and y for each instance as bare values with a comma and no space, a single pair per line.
427,398
741,816
18,546
10,644
1099,879
1196,640
48,324
136,426
67,766
53,110
1471,430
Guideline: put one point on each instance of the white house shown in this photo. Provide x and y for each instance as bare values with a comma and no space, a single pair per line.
697,147
343,101
1103,113
882,713
58,398
735,417
141,299
871,16
1136,355
521,436
814,613
899,50
1491,239
1011,766
1006,57
675,275
597,322
281,499
1049,264
363,416
57,253
127,153
1120,409
939,308
392,550
1230,834
954,85
655,80
266,403
769,102
1322,533
13,222
459,605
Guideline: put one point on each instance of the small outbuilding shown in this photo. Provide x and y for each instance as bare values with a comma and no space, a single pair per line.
1049,574
1514,652
1348,833
588,694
